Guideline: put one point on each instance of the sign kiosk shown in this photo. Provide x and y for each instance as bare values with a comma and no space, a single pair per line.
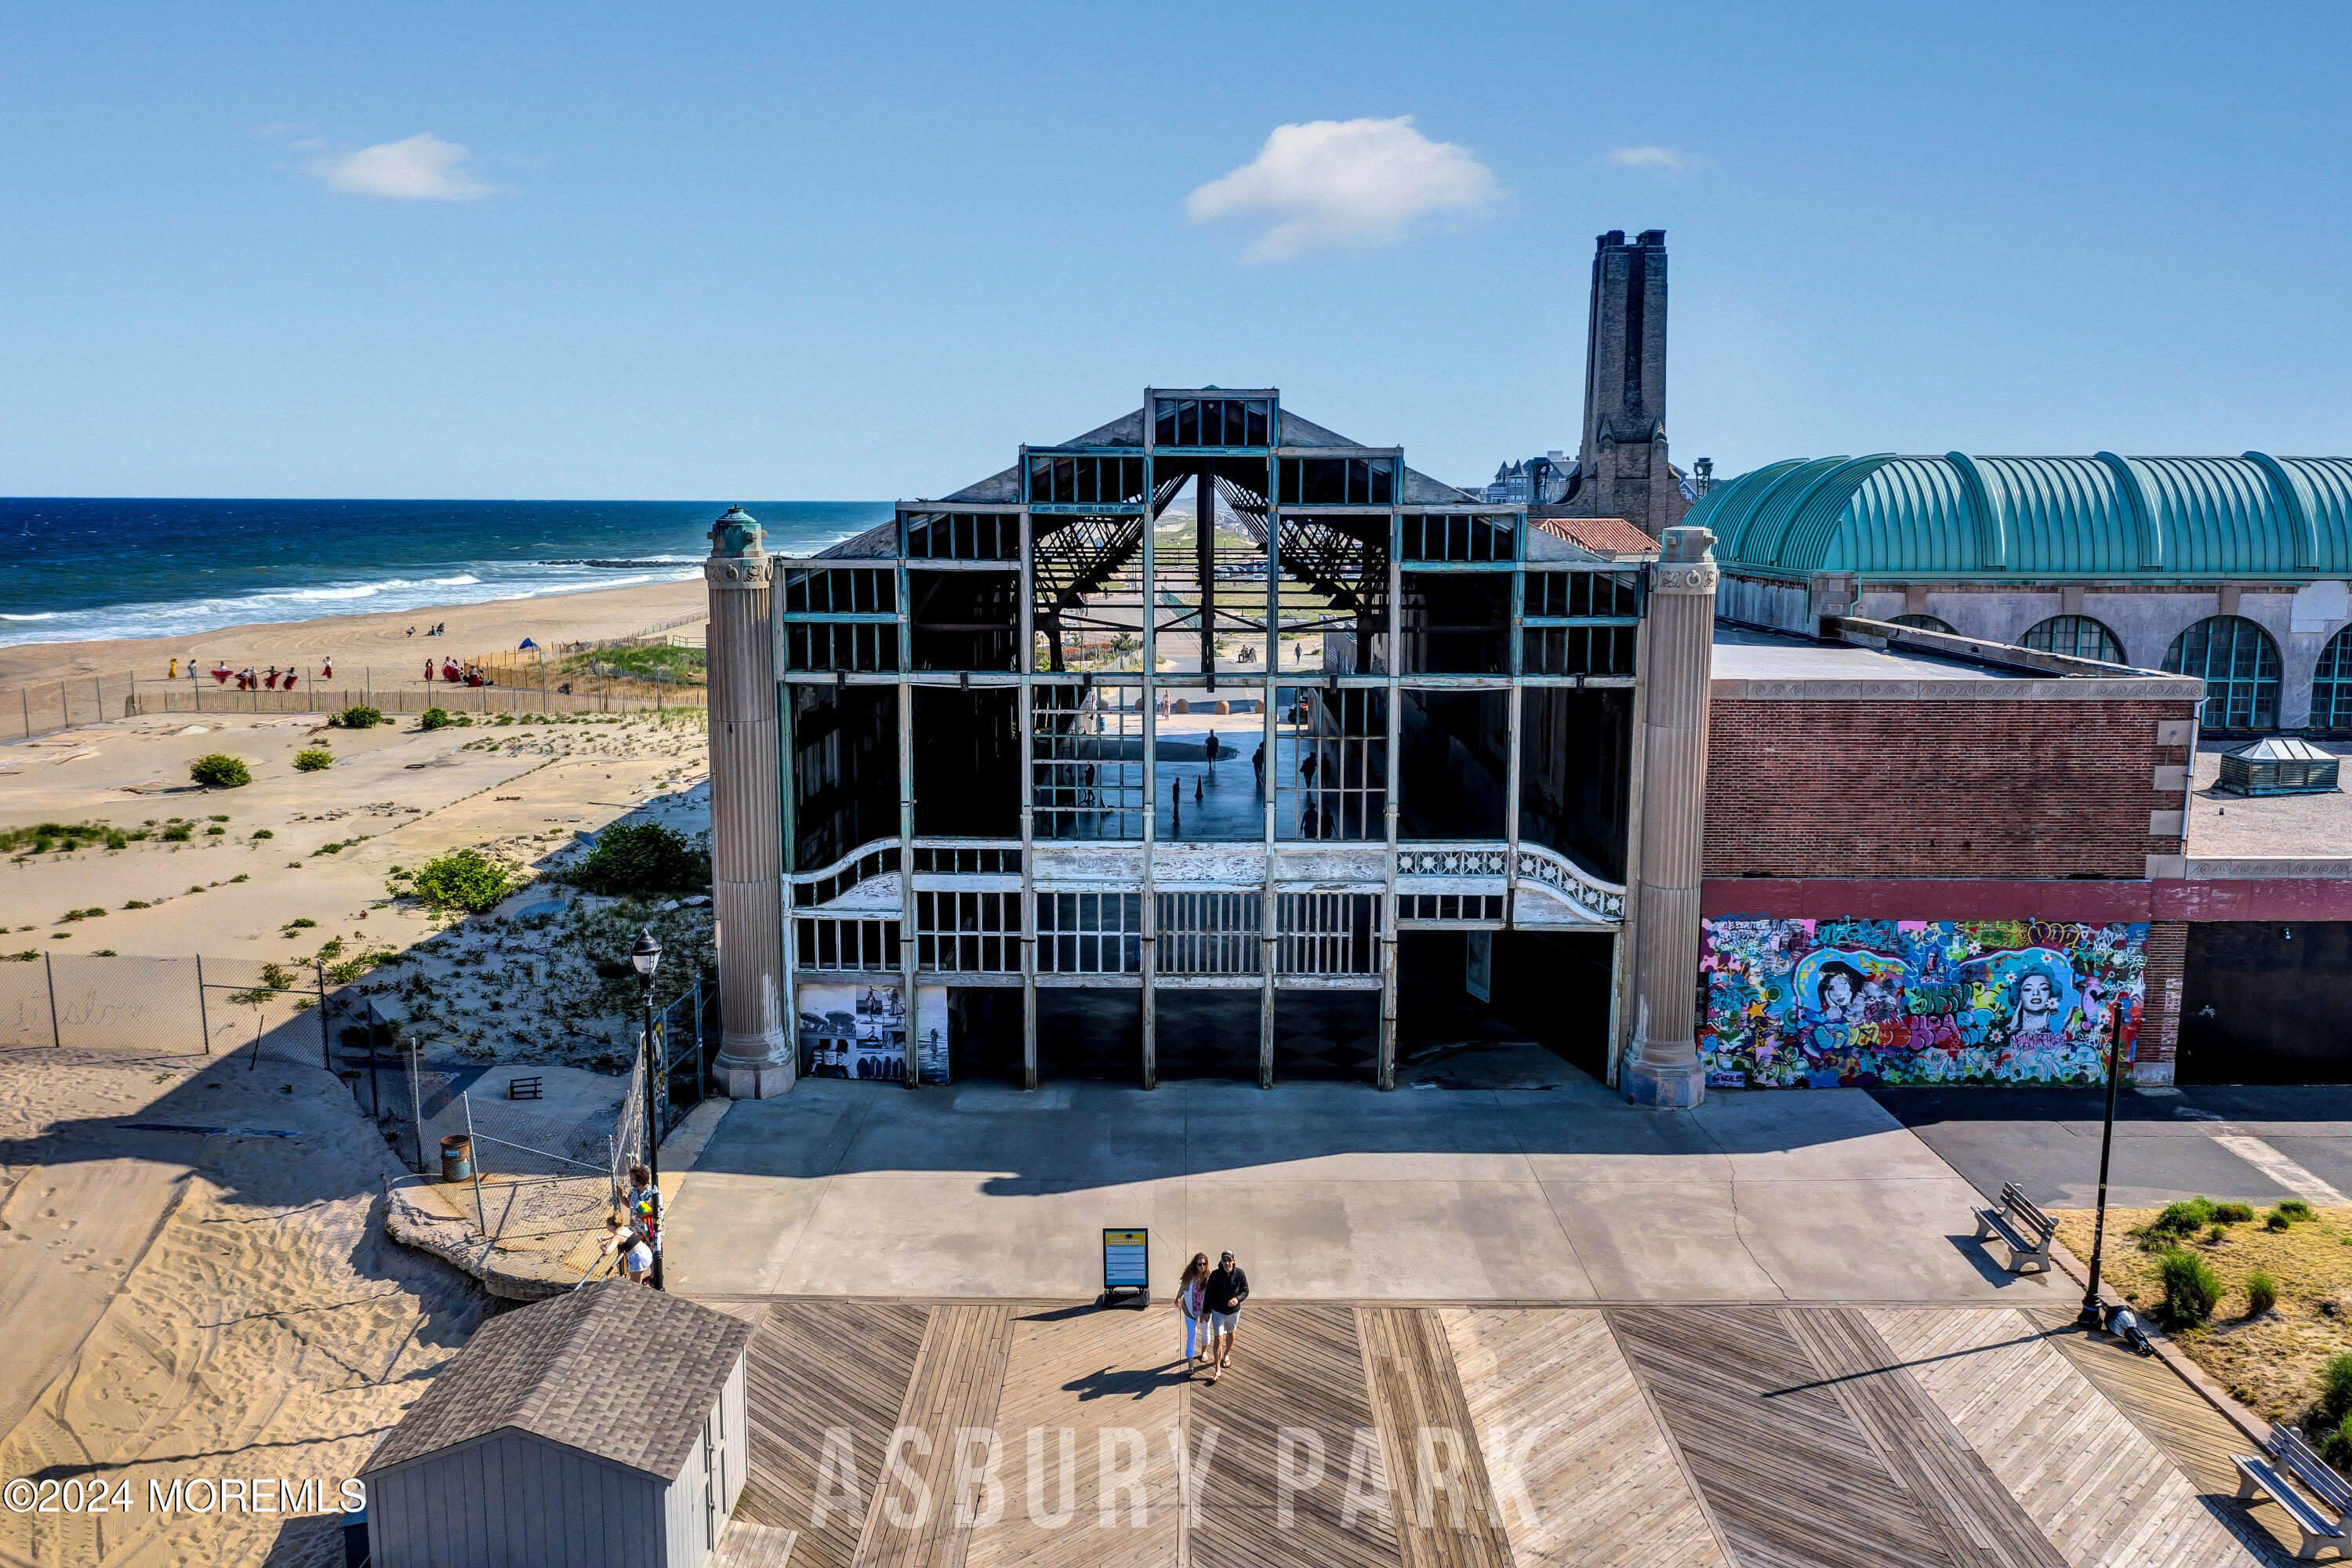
1127,1268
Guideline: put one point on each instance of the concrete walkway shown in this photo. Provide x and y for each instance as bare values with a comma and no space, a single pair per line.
1332,1191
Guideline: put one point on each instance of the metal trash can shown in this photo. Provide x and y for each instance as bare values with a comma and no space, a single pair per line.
457,1158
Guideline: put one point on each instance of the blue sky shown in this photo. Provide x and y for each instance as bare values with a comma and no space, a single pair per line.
862,251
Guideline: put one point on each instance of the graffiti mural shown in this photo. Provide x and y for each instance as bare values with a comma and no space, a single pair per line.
1795,1003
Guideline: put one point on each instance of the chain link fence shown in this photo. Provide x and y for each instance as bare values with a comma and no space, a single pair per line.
417,1087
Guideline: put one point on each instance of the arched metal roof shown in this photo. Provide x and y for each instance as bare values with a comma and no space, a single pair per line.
2101,516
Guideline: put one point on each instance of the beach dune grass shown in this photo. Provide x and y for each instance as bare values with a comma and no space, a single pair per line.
218,770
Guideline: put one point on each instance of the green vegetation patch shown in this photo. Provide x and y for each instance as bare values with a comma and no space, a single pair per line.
218,770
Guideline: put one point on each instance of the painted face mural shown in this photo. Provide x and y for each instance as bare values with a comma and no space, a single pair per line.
1825,1003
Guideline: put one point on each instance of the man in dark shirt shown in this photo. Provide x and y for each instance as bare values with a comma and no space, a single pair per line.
1227,1288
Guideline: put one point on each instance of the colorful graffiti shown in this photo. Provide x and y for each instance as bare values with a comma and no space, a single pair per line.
1794,1004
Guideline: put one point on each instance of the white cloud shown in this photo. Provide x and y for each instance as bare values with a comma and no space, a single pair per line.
1666,160
1341,184
421,168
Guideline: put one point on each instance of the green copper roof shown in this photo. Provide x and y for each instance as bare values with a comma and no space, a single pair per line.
2099,516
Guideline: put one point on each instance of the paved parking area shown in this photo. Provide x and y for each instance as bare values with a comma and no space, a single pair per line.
2258,1142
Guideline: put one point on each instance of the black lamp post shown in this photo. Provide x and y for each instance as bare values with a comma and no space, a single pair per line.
645,958
2089,1317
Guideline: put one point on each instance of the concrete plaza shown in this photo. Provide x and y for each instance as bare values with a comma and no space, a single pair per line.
1513,1178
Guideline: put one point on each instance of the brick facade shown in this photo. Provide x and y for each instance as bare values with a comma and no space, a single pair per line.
1903,788
2160,988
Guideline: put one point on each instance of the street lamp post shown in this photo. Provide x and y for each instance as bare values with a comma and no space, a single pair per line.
645,958
2089,1317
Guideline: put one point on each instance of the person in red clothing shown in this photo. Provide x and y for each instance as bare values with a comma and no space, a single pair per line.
327,670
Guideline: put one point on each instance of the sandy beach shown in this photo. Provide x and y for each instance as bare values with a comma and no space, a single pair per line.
228,1306
380,640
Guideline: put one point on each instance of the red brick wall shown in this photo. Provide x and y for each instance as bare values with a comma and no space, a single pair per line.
1903,788
2160,1019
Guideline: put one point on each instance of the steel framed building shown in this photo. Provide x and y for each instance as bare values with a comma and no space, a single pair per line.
1046,734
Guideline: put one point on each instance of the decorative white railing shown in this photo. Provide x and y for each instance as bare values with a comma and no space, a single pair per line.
1604,901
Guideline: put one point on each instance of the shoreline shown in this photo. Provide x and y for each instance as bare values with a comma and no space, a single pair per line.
370,639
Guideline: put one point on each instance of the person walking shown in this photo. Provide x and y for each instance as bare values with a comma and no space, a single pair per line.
1226,1289
1258,764
1191,1296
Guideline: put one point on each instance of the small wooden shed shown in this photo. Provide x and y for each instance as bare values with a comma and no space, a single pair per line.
601,1429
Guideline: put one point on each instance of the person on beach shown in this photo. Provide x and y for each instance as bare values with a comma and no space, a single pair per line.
1226,1288
412,631
636,1257
175,671
428,670
1191,1296
327,670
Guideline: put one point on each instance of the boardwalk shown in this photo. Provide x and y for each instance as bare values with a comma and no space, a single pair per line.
1032,1434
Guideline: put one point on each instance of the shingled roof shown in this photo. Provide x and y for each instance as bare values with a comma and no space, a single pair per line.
616,1370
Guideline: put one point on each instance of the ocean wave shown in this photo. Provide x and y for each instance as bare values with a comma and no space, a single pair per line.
194,617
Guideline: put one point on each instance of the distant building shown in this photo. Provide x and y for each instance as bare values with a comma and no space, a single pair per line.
2236,570
1515,484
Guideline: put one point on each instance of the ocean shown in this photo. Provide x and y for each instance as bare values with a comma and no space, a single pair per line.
77,570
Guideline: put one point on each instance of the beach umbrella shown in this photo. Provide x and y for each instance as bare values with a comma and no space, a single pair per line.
527,643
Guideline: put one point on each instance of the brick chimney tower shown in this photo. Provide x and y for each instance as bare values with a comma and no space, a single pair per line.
1622,467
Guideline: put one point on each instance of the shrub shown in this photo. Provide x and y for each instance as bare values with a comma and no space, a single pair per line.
238,877
2180,1218
2335,1390
178,833
261,833
2233,1214
215,831
2336,1444
301,923
441,719
2261,1294
218,770
312,759
356,718
2219,1233
2295,1210
642,860
2191,1289
219,816
137,904
2277,1219
463,879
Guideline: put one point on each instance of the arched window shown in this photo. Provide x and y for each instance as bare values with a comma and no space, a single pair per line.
2077,636
2240,666
1926,624
2331,687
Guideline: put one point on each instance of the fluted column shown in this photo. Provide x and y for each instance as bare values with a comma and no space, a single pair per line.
756,1057
1665,1070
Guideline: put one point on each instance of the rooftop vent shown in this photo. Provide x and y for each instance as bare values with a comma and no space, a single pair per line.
2279,765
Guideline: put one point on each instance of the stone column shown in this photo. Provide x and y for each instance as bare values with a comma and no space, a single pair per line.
756,1057
1665,1070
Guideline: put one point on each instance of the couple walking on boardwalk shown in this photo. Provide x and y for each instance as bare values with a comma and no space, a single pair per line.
1211,1300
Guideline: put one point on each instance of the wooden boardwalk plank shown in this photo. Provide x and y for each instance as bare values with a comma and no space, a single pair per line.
2087,1477
814,1368
1983,1526
1438,1486
2176,1418
913,1521
1788,1476
1104,1378
1607,1489
1300,1368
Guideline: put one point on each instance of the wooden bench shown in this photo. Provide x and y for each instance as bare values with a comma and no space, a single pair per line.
2259,1477
525,1088
2022,1227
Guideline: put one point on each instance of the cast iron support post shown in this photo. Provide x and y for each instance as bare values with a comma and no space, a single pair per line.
652,1127
1665,1071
